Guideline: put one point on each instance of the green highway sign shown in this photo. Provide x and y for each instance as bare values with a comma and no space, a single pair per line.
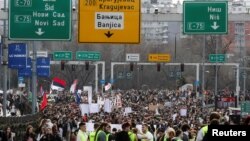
205,17
217,58
62,55
120,75
40,19
245,107
88,55
129,75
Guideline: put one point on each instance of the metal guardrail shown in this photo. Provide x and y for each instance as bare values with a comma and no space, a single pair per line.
19,124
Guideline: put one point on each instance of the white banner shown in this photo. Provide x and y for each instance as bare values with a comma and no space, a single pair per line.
107,106
183,112
89,90
94,108
84,109
128,110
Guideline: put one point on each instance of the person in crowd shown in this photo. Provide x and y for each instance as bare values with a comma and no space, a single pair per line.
145,135
132,132
92,134
8,135
55,133
114,134
41,133
203,131
85,118
100,132
1,110
82,134
29,134
60,130
160,134
178,136
49,135
185,129
108,133
170,134
123,135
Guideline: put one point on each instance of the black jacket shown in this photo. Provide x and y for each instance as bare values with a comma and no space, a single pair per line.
122,136
50,137
27,136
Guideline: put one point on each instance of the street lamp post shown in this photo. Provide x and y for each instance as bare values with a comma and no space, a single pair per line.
175,47
242,62
175,60
175,56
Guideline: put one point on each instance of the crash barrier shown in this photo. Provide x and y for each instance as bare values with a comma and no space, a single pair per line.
19,124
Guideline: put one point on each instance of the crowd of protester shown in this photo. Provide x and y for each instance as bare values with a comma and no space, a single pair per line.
63,120
15,103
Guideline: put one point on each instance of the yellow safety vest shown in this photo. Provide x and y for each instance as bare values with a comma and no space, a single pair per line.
204,130
82,137
132,136
98,134
178,139
92,136
165,138
107,136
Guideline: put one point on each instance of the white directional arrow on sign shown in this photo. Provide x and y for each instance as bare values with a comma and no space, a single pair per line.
39,32
215,26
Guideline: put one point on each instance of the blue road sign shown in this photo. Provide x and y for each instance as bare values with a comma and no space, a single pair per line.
196,83
17,57
26,72
20,80
43,66
112,81
102,81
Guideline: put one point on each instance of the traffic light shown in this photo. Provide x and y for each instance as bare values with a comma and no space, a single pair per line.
73,67
158,67
86,65
182,67
62,65
141,67
131,66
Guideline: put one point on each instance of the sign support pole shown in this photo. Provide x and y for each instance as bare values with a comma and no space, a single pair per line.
197,79
96,78
216,73
203,71
4,65
34,79
103,75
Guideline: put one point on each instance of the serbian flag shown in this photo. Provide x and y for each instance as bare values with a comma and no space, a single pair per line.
44,102
107,86
58,84
73,86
